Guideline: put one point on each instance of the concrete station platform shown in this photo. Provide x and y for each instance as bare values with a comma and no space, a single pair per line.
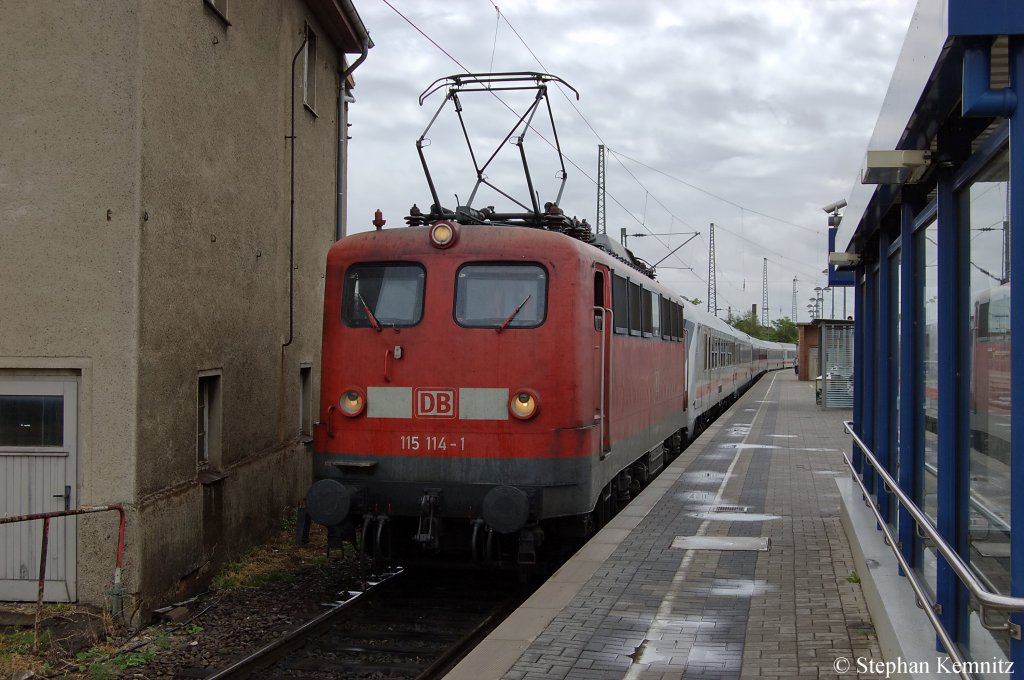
733,563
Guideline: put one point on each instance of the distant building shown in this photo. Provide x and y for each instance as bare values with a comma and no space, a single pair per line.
164,240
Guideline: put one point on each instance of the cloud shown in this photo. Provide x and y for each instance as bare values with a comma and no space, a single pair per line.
768,105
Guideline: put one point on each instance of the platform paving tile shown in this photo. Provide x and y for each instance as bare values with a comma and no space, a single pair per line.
654,612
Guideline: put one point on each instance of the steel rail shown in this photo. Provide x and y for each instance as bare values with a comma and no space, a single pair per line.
978,590
246,665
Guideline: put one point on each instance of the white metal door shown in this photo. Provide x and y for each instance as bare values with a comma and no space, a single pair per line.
38,459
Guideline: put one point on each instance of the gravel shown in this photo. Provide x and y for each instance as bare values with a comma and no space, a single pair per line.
272,590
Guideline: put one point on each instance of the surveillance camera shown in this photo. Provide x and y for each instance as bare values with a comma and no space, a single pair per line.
832,207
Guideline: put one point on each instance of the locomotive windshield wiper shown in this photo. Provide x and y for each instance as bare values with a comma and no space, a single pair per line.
369,315
515,311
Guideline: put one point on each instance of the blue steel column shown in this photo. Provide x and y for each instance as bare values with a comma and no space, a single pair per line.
869,357
858,362
883,372
1016,348
911,454
954,249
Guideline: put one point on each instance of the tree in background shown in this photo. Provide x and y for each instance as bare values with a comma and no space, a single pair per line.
749,325
782,330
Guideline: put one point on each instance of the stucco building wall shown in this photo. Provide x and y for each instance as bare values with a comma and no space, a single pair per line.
145,195
69,207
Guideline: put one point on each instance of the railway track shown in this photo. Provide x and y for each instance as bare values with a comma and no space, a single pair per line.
415,624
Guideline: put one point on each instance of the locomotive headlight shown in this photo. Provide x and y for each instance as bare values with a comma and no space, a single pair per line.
523,404
352,402
443,234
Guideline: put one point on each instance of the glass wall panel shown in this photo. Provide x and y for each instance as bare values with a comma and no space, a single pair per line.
984,205
927,245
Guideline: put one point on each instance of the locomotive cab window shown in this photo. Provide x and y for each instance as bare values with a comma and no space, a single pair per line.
383,294
501,295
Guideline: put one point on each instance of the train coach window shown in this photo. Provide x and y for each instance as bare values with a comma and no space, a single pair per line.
620,303
384,294
500,295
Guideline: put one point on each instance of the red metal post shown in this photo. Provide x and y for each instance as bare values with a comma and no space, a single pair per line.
42,584
116,594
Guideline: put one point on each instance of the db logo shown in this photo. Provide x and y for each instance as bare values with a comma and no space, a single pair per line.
433,403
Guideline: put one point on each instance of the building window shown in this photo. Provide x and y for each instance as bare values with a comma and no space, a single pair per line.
220,8
306,400
31,420
208,420
309,71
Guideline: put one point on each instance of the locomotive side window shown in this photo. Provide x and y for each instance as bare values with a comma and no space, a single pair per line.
620,303
501,295
646,323
634,308
676,323
384,294
655,307
666,319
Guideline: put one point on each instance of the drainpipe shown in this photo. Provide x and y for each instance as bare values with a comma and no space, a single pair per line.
343,134
291,209
979,99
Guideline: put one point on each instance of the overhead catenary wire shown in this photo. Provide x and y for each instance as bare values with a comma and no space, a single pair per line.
576,165
647,193
535,131
714,195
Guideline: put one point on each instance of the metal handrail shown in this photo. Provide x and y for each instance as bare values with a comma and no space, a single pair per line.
985,597
116,594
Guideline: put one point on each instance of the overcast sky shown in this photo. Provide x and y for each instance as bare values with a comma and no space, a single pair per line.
752,114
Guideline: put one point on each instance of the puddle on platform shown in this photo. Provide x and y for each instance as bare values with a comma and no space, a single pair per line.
703,477
743,447
736,587
696,497
739,430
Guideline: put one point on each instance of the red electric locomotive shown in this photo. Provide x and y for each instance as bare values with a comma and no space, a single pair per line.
475,396
490,379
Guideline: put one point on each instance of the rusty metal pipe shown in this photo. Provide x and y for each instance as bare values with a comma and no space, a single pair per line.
116,593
